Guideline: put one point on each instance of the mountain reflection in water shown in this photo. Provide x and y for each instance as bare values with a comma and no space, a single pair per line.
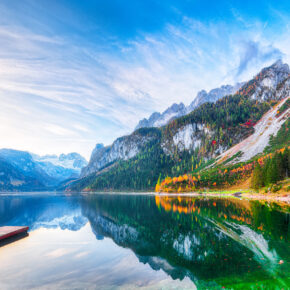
205,239
213,242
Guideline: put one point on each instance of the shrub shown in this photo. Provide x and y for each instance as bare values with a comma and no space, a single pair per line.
276,187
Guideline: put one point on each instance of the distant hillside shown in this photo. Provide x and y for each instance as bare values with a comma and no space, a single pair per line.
20,170
191,142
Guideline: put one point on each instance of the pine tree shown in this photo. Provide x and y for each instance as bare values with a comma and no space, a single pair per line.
257,177
272,172
265,171
286,162
279,162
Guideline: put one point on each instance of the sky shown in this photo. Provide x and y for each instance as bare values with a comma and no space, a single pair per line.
76,73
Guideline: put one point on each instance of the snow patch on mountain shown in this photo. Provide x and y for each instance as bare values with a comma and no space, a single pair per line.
70,161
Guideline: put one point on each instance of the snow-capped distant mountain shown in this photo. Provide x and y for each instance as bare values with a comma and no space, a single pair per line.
70,161
176,111
20,170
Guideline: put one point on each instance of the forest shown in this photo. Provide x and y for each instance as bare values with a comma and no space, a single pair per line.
265,170
230,120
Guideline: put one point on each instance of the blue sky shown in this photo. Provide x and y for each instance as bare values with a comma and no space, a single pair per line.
76,73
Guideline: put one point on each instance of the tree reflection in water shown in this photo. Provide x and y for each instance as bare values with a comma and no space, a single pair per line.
214,242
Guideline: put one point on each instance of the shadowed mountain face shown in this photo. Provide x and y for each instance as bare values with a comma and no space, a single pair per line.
24,171
213,242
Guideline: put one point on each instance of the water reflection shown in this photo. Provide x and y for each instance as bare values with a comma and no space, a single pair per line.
212,242
46,210
216,241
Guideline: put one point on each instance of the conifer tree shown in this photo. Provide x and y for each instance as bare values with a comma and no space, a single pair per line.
257,177
272,172
286,162
279,163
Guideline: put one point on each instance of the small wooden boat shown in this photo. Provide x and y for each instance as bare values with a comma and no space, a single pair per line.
12,231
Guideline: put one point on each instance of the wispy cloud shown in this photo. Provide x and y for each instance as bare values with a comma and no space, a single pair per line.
254,53
61,93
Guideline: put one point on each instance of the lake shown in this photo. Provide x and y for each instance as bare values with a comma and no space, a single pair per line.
128,241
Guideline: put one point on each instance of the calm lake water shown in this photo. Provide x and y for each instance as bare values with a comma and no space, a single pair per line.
106,241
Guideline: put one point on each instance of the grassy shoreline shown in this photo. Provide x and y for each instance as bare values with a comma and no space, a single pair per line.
245,194
243,190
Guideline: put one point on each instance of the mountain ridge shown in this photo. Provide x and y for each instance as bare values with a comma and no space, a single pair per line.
190,141
22,170
157,119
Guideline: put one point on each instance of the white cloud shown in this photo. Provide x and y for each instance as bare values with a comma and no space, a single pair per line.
58,95
58,130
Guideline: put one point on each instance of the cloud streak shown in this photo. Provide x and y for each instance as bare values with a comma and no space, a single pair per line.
60,93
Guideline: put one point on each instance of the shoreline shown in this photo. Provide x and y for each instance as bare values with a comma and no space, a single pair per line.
280,197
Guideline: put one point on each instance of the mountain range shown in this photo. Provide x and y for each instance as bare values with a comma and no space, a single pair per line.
232,123
178,110
178,142
20,170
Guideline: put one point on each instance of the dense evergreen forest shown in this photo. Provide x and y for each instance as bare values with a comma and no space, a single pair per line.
264,169
277,167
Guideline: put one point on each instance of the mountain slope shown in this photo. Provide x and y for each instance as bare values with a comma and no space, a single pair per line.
187,143
267,169
267,126
123,148
20,170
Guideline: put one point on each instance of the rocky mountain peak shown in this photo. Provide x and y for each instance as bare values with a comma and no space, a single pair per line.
178,110
266,83
157,119
69,161
279,64
272,83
